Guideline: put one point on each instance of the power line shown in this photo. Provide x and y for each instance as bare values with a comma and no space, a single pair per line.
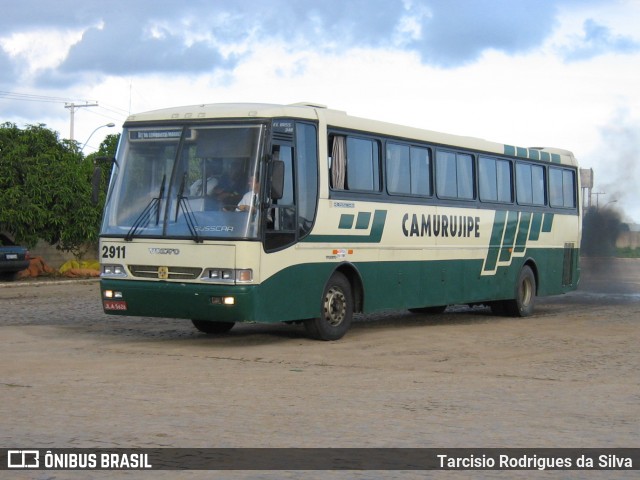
30,97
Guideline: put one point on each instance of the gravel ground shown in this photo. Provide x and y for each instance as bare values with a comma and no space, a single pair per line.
71,376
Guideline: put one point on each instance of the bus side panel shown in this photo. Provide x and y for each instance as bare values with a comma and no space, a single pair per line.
390,285
293,293
397,284
556,275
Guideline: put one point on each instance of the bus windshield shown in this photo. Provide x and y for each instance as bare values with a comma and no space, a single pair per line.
198,182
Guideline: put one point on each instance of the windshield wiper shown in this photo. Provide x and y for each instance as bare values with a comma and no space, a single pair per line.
143,219
183,204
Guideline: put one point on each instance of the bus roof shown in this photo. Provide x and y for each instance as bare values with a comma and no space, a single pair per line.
340,119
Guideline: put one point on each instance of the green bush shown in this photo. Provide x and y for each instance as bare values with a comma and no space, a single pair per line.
45,188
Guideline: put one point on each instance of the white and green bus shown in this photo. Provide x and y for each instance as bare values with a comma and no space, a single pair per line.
230,213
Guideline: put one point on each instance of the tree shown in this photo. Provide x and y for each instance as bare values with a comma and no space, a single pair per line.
106,150
45,189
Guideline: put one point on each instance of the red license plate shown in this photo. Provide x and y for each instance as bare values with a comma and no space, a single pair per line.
115,305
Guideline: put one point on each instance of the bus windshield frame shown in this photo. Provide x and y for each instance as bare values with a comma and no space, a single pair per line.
187,181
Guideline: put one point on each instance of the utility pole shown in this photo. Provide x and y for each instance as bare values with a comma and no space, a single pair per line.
597,194
72,110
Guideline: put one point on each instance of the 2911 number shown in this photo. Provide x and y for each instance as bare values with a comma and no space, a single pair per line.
113,251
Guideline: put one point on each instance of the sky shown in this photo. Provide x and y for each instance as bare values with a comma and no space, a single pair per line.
532,73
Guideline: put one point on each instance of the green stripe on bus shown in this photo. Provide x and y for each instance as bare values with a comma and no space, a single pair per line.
495,241
509,237
547,223
374,236
523,232
346,221
363,220
536,224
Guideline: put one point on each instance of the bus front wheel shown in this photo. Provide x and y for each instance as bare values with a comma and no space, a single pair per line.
336,310
523,303
212,328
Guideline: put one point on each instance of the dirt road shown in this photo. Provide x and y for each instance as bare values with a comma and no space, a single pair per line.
71,376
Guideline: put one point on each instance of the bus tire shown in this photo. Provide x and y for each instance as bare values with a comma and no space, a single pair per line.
212,328
336,310
523,303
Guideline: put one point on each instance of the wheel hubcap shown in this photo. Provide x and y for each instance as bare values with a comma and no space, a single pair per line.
526,292
335,306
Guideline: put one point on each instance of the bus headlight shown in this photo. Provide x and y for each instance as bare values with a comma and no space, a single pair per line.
113,271
228,275
112,294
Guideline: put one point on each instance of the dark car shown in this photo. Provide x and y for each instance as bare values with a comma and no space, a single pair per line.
13,258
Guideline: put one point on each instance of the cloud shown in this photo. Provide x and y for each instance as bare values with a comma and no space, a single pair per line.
125,48
163,36
599,40
456,33
6,68
617,173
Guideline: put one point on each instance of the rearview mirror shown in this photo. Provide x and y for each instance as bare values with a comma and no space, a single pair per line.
277,180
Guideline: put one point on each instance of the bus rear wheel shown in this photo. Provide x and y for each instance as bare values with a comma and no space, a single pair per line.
212,328
523,303
336,310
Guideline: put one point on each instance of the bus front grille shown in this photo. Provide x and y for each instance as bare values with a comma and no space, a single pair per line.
163,272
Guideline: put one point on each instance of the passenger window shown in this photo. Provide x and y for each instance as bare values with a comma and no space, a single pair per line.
354,163
530,184
363,165
494,177
408,169
454,175
562,188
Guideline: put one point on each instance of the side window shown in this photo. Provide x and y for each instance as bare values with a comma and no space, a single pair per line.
494,178
398,168
537,181
408,169
530,186
562,188
354,163
421,171
569,188
307,175
363,164
454,175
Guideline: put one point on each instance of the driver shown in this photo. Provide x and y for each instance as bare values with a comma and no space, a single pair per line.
249,200
230,185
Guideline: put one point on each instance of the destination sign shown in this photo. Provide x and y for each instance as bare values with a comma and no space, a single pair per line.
161,134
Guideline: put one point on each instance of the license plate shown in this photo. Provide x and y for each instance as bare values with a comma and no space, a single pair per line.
12,256
115,305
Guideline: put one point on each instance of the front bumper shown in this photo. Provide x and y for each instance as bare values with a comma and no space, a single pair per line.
179,300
